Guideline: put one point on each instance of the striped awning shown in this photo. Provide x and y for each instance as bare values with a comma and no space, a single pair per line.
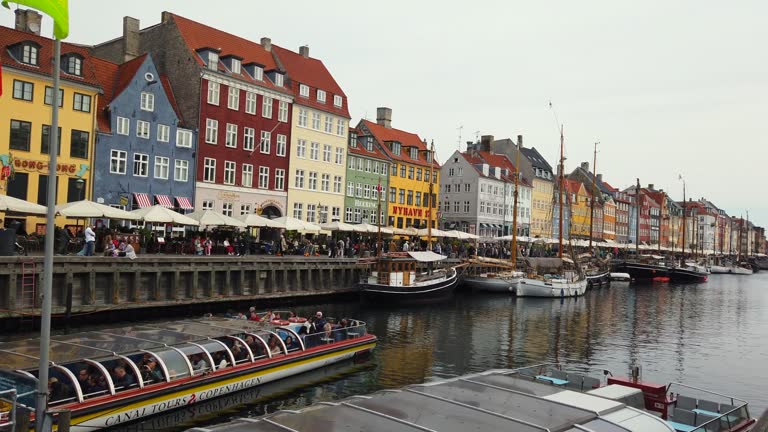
165,201
184,203
142,200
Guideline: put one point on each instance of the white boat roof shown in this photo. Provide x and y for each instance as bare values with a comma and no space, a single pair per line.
615,391
427,256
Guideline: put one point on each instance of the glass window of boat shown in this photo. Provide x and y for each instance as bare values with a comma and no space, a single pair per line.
168,337
290,339
219,353
108,341
58,353
258,346
237,347
198,357
91,379
25,386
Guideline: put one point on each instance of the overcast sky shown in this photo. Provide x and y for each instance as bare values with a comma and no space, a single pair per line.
666,87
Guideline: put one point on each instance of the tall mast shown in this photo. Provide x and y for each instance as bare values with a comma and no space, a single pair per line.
514,206
738,243
378,217
637,220
430,200
685,223
560,192
748,239
594,197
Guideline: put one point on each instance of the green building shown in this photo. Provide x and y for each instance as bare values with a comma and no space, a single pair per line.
367,174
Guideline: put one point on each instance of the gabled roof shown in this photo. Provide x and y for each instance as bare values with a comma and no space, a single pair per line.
573,186
171,97
360,149
406,139
313,73
10,37
537,160
107,74
197,36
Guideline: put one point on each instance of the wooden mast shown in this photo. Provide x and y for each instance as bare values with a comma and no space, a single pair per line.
594,197
430,200
637,220
685,223
560,193
378,218
514,206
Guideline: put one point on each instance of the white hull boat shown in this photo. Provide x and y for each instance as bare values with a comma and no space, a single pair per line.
717,269
551,287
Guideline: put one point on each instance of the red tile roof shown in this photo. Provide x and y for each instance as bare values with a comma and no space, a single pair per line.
313,73
126,73
9,37
406,139
107,73
171,97
573,186
197,35
362,151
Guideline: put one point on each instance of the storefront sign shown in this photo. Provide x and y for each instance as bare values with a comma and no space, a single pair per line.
228,196
365,204
411,212
35,165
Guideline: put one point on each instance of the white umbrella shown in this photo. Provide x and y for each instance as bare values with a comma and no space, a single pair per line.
160,214
461,235
292,224
9,203
410,231
254,220
212,218
338,226
90,209
434,232
368,228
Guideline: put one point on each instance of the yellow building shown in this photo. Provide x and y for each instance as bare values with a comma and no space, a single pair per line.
25,118
579,199
319,130
412,175
541,208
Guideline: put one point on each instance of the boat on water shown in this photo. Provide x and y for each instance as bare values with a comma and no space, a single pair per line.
106,378
647,267
504,280
620,277
552,277
688,272
537,398
397,277
724,266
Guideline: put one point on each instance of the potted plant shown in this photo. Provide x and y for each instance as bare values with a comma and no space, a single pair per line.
145,236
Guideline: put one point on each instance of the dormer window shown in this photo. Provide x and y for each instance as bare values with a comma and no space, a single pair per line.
279,79
369,143
395,148
337,101
73,64
304,90
235,66
353,140
321,96
256,71
213,60
29,54
429,157
414,153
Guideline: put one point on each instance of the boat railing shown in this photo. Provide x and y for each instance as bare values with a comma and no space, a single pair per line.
337,333
8,403
708,409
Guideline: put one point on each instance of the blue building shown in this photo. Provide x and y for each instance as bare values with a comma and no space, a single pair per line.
143,154
632,237
556,220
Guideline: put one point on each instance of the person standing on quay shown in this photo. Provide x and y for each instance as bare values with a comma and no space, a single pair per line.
90,240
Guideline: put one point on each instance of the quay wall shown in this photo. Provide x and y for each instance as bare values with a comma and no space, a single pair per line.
83,285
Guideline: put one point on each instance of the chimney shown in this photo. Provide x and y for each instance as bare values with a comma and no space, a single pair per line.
650,186
165,17
485,143
520,141
599,178
131,41
266,43
384,117
28,20
304,51
585,166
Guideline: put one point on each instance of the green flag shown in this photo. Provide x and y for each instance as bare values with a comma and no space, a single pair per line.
56,9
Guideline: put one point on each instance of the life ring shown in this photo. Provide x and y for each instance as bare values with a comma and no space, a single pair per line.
297,319
279,322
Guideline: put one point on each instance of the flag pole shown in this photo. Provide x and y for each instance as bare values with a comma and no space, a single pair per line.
45,315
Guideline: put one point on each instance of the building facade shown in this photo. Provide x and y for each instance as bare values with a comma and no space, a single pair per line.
367,180
25,118
609,219
543,193
142,156
318,138
579,201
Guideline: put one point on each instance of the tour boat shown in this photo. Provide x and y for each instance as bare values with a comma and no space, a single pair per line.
537,398
395,278
139,371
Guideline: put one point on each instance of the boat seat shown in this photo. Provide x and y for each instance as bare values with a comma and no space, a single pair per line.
682,420
686,403
704,418
558,374
352,335
710,406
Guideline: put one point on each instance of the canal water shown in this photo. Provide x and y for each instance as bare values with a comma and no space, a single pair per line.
712,335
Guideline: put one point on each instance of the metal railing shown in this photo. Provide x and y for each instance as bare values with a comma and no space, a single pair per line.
8,402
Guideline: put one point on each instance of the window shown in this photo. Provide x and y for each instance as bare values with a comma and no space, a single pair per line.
301,149
446,206
29,55
183,138
49,96
282,112
266,107
359,164
163,133
181,170
375,191
321,95
328,124
312,180
279,179
147,101
394,170
45,140
367,165
303,90
357,215
123,126
235,66
78,146
418,198
142,129
456,207
162,165
23,90
369,143
410,198
250,102
418,174
233,98
414,153
118,161
351,189
337,184
264,177
325,182
348,214
140,165
246,179
207,205
21,133
229,172
258,73
327,153
213,61
401,196
245,209
337,101
366,191
341,128
298,182
211,131
75,66
351,161
209,170
467,187
249,135
314,151
410,173
227,208
392,194
339,156
451,171
279,80
302,117
402,171
297,210
266,142
316,121
427,175
231,139
282,143
213,93
396,148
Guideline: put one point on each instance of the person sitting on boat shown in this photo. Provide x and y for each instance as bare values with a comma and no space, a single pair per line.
319,322
58,390
96,385
198,363
122,378
291,344
238,352
270,316
151,372
274,346
82,378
